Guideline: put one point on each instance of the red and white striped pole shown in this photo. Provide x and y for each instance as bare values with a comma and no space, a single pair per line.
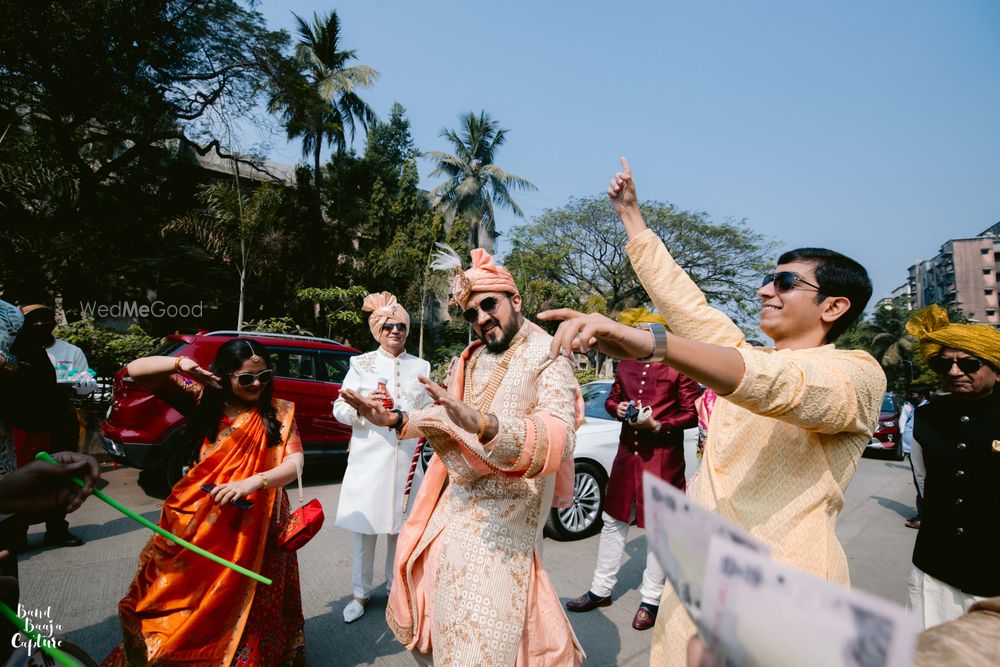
413,469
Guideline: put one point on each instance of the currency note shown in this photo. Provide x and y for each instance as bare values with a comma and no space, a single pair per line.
680,531
757,612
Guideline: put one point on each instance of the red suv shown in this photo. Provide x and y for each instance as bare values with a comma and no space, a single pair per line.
140,428
887,438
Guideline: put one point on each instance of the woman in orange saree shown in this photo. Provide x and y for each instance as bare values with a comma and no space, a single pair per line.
181,608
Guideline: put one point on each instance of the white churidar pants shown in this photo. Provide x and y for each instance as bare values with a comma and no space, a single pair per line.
364,563
610,554
933,602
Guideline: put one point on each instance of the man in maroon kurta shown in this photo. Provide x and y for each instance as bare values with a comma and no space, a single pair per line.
654,442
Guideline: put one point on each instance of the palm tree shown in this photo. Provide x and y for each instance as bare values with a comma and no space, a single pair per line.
319,102
243,230
474,183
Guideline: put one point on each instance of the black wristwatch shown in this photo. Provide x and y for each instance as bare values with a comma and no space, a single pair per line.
399,420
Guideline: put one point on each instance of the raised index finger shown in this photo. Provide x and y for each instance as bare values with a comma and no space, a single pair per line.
627,169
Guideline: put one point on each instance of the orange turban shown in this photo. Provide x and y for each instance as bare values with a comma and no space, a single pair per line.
484,276
382,307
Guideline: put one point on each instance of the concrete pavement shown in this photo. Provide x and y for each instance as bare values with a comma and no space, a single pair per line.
83,585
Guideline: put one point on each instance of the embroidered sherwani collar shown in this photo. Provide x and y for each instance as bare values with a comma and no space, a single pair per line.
382,351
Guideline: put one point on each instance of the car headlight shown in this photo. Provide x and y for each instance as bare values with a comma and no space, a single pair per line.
888,424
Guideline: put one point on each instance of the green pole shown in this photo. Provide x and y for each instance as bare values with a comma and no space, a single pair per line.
59,656
138,518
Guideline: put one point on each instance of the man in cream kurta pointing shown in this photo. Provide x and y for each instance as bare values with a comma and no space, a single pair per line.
790,422
371,496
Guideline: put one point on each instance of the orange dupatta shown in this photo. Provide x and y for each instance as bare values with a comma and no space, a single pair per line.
405,608
181,607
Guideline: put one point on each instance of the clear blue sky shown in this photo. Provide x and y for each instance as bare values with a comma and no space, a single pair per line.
872,128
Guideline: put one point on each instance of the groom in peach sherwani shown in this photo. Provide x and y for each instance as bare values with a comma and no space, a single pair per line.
470,588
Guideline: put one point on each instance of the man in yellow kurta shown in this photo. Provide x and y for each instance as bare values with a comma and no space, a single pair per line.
790,422
469,587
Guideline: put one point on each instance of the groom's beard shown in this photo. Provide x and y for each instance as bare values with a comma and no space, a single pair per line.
499,342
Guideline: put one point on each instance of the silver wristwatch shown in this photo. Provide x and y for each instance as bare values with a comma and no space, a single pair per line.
659,342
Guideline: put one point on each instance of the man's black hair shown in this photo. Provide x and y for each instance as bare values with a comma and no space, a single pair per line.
836,275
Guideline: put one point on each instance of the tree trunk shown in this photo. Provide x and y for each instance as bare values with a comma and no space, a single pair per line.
239,317
318,176
486,240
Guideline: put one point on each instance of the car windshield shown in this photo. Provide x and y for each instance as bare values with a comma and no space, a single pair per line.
168,347
594,395
888,405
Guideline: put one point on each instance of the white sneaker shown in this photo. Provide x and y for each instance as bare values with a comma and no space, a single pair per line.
353,611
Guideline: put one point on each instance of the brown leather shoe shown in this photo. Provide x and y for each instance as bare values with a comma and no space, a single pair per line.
644,619
586,602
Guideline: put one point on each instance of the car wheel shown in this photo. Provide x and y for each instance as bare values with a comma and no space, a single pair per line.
426,453
583,517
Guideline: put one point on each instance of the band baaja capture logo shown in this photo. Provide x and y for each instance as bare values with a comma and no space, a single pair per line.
40,622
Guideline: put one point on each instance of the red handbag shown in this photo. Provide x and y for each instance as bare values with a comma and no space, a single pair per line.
304,523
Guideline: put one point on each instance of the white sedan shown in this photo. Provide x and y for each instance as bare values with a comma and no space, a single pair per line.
596,446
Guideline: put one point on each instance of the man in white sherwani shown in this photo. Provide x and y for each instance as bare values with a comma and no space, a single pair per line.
371,496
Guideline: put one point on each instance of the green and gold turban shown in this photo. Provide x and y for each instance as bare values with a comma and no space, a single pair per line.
935,331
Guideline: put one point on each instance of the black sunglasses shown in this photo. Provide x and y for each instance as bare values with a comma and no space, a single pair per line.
389,326
487,305
785,281
943,365
246,379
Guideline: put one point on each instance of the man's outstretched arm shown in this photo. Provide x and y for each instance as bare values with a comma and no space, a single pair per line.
716,366
679,300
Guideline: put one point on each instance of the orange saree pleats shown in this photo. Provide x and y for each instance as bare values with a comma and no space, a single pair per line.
183,609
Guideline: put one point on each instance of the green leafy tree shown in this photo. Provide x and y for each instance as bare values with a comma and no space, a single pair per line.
115,82
240,228
390,149
320,102
574,256
108,101
339,308
474,182
107,351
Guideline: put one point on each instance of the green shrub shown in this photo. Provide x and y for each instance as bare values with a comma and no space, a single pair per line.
279,325
106,350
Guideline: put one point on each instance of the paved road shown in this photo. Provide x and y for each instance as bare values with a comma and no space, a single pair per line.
83,585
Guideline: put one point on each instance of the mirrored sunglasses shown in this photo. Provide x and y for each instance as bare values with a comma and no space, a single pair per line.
389,326
487,305
943,365
785,281
246,379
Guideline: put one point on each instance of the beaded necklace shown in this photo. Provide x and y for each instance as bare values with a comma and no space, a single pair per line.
494,381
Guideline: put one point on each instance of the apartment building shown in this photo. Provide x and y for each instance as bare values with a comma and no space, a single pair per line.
964,272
